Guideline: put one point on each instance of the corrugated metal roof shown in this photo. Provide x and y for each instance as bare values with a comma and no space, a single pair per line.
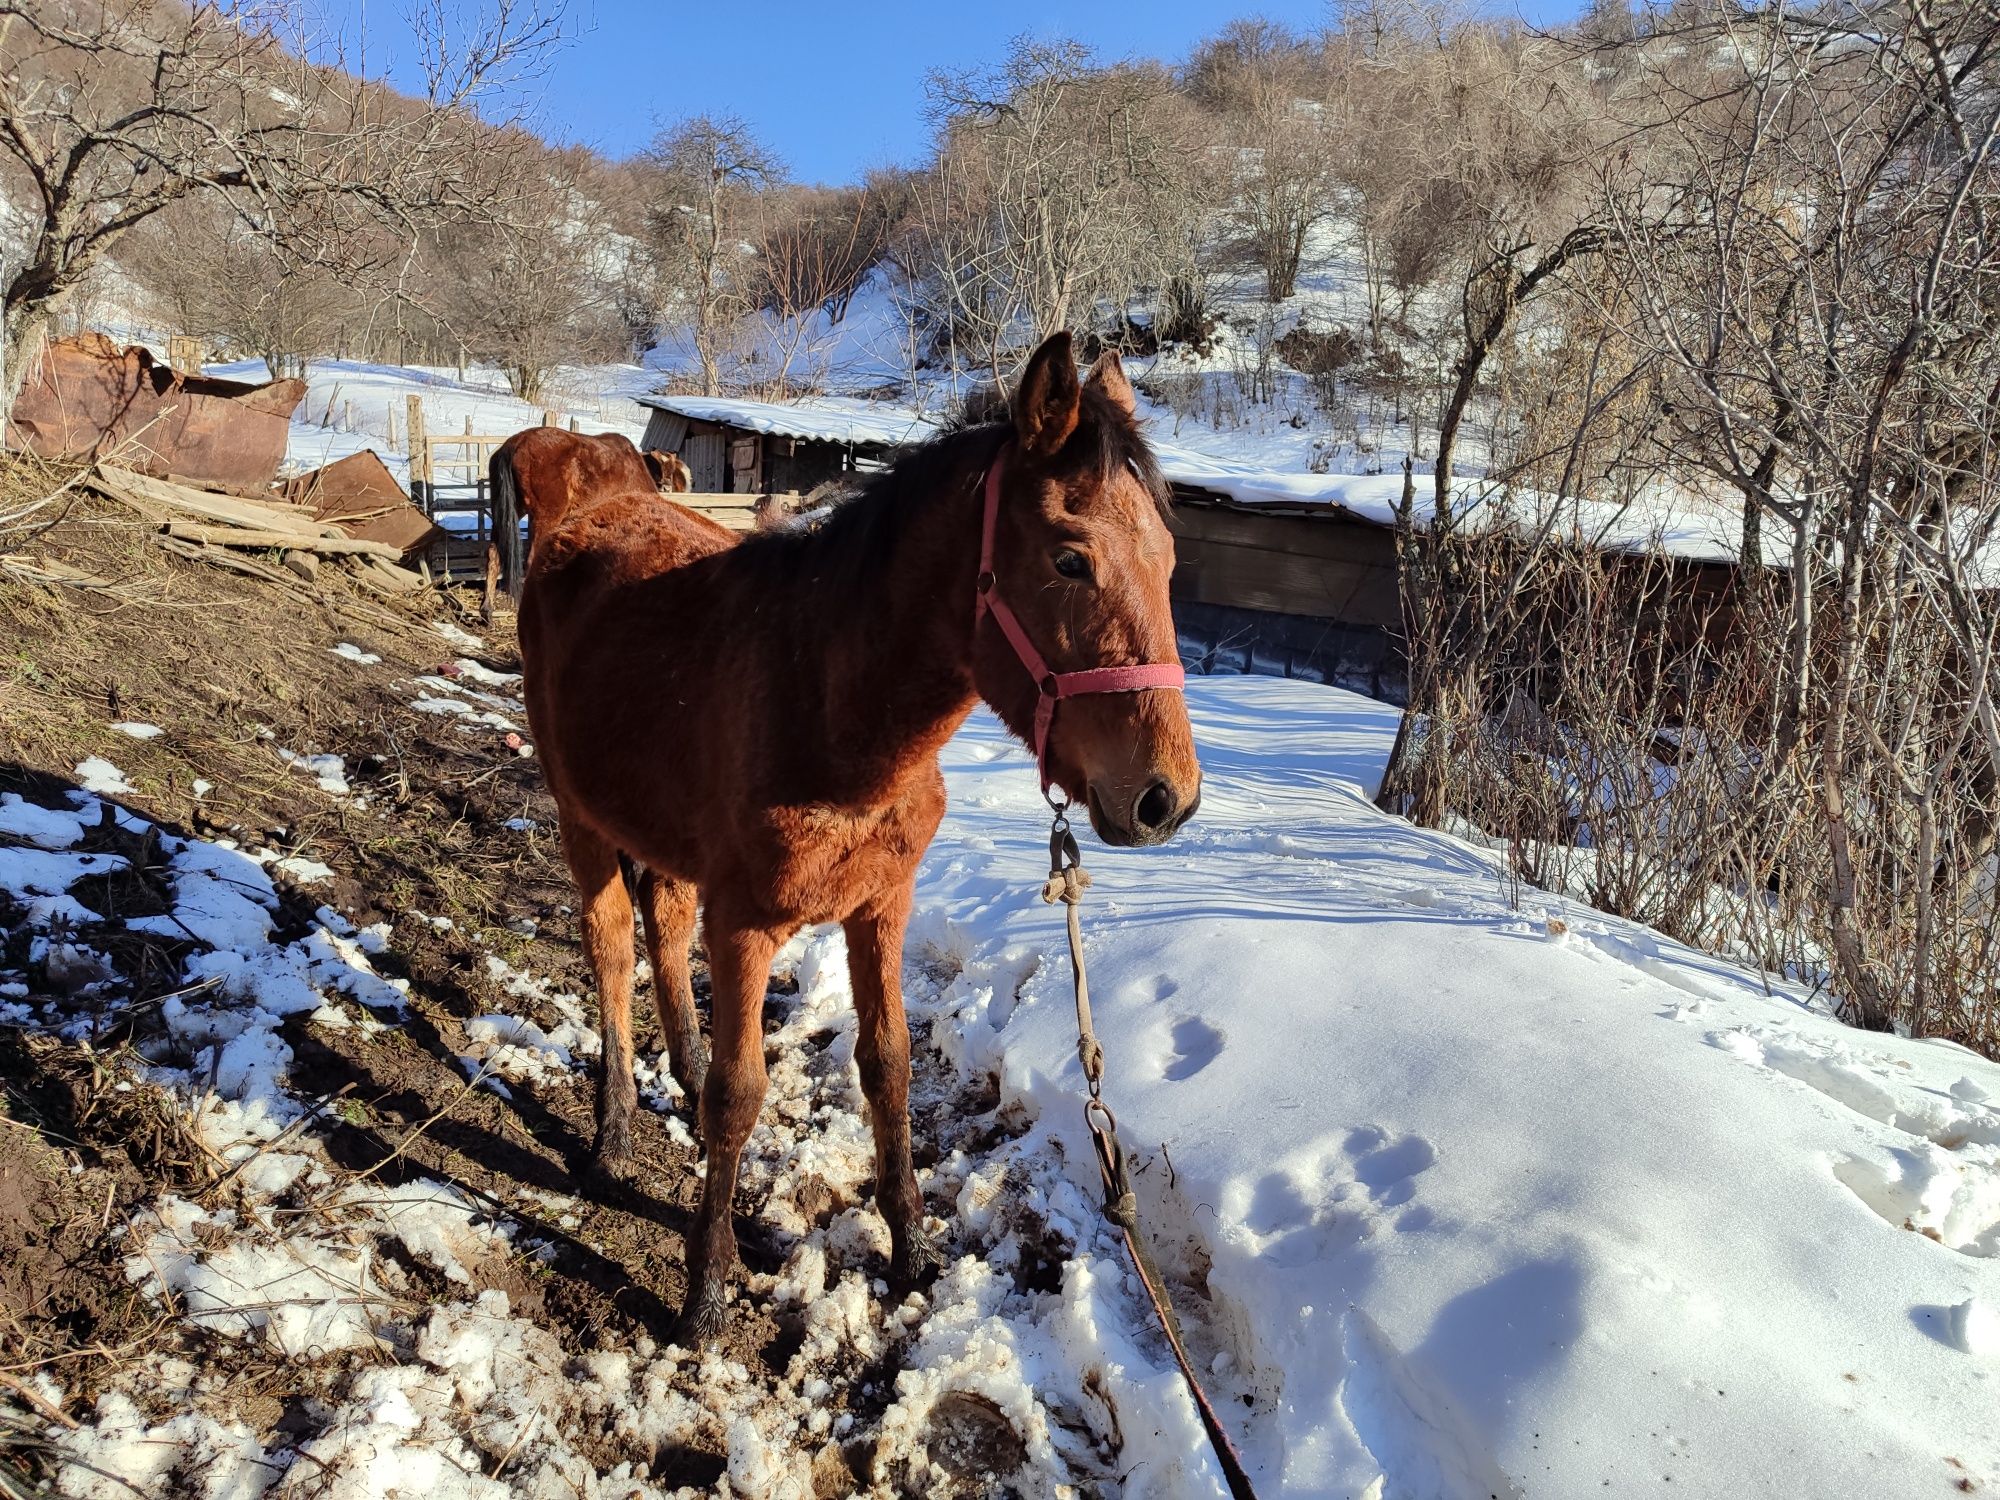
827,419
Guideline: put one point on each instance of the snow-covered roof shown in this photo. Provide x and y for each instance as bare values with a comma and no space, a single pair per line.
1671,522
827,419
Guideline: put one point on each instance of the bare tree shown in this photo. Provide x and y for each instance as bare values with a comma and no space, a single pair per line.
112,110
222,281
1264,80
1035,208
535,289
708,172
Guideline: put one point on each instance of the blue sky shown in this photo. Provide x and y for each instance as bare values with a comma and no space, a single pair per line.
834,88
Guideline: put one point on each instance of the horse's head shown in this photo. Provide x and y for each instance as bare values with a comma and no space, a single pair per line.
670,473
1082,556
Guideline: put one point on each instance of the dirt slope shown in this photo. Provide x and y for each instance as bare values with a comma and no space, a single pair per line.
433,821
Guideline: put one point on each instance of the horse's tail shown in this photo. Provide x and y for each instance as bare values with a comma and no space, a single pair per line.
508,512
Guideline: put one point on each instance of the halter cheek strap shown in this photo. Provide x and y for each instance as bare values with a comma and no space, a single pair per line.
1055,686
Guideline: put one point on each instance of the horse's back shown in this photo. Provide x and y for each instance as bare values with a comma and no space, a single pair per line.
557,472
612,542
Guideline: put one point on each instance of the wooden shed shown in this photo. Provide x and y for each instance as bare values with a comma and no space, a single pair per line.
1286,590
743,447
1286,574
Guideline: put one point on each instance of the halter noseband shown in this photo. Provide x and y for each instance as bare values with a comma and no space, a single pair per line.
1054,686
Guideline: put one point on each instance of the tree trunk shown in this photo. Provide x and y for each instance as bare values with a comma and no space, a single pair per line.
27,326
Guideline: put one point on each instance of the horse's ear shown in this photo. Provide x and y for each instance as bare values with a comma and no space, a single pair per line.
1045,406
1108,376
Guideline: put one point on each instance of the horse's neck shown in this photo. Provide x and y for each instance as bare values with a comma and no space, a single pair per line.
894,629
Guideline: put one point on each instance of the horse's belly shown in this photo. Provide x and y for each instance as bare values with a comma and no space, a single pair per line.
830,864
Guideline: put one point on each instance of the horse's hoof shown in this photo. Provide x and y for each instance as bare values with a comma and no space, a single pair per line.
702,1319
611,1155
915,1260
695,1082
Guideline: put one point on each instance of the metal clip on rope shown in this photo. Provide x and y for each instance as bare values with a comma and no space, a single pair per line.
1066,883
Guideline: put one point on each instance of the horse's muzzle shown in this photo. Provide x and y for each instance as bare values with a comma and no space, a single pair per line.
1153,816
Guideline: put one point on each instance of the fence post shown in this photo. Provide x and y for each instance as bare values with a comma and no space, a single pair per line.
548,419
391,437
420,455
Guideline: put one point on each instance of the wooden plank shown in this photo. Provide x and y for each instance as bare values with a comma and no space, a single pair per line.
238,536
1250,578
724,509
222,557
746,465
158,499
388,576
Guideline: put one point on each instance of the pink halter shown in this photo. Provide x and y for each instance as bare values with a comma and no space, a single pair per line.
1055,686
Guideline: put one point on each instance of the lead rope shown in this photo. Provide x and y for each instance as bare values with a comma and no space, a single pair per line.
1066,883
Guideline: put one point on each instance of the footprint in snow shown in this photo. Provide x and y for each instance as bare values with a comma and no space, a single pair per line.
1196,1045
1940,1177
1419,1437
1327,1201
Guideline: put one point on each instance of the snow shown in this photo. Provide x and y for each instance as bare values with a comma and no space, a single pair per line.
1974,1326
348,651
1465,1190
96,774
330,771
831,419
44,827
1480,1206
485,676
138,731
1668,521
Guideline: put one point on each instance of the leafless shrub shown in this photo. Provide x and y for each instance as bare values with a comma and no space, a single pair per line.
1795,264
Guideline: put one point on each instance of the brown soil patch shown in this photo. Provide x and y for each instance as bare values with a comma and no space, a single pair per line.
232,669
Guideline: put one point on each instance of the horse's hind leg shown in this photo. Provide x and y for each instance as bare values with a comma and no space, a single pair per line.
607,943
882,1053
669,909
739,968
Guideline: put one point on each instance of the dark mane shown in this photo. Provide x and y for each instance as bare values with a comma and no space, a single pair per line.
861,532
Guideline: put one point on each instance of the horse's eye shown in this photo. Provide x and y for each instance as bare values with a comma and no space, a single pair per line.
1072,564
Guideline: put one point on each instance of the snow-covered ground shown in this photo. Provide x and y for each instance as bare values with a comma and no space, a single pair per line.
351,405
1492,1195
1469,1191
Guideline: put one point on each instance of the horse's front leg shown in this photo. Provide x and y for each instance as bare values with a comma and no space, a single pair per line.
739,966
882,1052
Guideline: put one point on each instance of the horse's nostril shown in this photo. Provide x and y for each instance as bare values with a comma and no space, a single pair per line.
1156,805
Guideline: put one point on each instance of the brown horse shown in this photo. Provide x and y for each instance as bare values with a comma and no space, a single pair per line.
543,472
759,721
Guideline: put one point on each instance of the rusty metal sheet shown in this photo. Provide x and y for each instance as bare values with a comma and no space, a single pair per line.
360,496
89,399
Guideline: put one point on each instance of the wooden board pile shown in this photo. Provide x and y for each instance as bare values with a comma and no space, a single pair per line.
269,539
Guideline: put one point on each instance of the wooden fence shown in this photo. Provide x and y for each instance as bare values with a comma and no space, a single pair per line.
448,482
